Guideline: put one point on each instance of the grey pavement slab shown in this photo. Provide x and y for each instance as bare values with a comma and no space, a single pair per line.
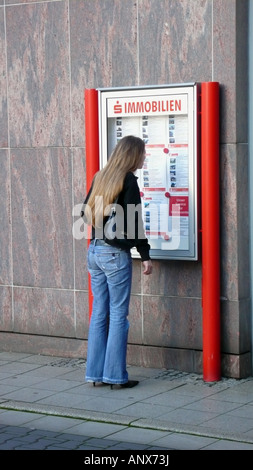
168,409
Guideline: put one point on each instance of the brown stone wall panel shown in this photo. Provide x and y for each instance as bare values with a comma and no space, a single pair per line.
175,43
235,327
242,75
230,334
79,175
238,367
173,322
6,309
137,276
14,2
176,278
38,74
160,358
224,64
43,345
81,269
82,314
230,66
44,312
245,326
103,45
228,222
3,85
135,320
80,232
243,221
5,220
42,217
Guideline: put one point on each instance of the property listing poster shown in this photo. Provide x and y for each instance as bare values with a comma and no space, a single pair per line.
164,178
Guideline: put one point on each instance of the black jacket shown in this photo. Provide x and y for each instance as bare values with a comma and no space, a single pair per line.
134,232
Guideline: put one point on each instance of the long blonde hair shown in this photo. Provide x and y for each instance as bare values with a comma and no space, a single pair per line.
108,182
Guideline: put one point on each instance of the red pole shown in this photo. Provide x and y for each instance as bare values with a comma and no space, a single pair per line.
210,230
92,149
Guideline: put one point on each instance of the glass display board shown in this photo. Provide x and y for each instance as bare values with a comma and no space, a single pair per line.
167,119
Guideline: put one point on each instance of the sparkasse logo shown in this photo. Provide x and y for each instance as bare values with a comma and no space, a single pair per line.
117,108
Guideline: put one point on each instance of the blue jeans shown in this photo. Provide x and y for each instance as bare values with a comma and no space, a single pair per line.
111,277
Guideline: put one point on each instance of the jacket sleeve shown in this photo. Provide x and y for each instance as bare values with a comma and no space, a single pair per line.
135,231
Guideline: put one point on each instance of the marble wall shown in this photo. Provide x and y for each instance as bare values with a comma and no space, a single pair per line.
50,51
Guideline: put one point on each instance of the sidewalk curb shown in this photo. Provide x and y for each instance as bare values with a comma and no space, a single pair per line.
112,418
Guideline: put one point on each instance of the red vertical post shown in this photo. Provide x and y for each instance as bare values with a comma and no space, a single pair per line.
92,149
210,230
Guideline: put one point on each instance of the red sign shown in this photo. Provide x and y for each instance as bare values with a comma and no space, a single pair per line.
183,202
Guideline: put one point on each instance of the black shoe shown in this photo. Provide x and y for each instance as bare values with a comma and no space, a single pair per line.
129,384
101,383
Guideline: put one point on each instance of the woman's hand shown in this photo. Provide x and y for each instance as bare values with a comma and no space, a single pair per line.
147,267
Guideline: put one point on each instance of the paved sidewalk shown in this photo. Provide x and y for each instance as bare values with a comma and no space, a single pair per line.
45,404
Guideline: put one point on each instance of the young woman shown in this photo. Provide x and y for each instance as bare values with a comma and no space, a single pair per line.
110,262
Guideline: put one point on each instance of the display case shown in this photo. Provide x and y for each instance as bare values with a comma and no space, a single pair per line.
167,119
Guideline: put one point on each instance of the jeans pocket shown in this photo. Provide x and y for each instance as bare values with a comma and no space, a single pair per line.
108,261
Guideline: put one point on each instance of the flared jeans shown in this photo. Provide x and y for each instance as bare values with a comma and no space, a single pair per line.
110,269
